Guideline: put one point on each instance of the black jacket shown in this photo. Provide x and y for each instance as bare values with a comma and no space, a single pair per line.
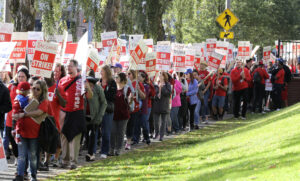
5,103
110,93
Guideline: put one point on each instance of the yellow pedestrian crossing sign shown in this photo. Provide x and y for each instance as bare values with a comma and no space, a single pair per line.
226,35
227,19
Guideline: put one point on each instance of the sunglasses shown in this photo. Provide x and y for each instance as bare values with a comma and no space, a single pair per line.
35,88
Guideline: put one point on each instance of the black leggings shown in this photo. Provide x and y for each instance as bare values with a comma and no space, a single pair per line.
11,140
192,111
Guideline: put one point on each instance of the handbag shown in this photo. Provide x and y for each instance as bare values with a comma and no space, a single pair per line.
110,107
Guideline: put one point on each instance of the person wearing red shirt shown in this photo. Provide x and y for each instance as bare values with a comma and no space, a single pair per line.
204,75
240,77
259,87
249,66
220,85
72,120
278,86
29,130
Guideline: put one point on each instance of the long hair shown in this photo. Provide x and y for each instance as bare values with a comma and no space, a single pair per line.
44,90
133,73
62,70
108,73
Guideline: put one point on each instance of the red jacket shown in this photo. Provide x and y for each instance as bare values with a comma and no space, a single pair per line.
280,77
263,74
237,82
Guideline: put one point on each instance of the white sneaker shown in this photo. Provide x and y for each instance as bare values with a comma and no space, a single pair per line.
103,156
16,162
127,146
278,109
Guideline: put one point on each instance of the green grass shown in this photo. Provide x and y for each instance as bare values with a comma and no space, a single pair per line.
261,148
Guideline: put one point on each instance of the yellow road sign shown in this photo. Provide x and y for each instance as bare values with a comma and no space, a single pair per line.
227,19
227,35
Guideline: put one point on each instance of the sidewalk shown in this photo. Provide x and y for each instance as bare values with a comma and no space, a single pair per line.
10,174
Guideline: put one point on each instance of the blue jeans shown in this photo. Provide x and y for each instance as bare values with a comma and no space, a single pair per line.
27,147
141,122
5,138
197,113
205,108
174,118
96,139
106,129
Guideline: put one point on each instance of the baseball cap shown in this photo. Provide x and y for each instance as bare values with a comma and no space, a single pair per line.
23,86
118,65
188,71
261,62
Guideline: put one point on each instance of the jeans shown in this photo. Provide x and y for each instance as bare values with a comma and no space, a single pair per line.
96,138
277,89
238,96
141,122
160,127
5,139
196,113
27,147
130,125
205,108
106,129
117,136
91,136
174,118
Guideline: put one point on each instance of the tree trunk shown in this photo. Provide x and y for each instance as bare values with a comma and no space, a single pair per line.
111,15
23,14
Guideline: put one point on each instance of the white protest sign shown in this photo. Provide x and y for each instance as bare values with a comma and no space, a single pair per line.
267,53
69,52
133,41
269,85
178,54
163,57
109,39
214,61
222,48
93,59
230,52
210,46
189,58
19,53
33,36
43,59
6,49
138,53
6,30
124,61
244,50
151,66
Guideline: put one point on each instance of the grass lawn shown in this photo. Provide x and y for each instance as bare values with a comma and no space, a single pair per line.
264,147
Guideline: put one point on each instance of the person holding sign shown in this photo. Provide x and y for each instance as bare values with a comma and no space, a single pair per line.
239,77
204,75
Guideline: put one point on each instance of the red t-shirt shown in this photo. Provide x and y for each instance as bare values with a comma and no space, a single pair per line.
13,93
121,111
72,95
280,77
30,129
142,88
219,91
54,105
203,74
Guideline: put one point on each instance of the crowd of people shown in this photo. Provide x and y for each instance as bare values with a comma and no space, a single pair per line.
55,118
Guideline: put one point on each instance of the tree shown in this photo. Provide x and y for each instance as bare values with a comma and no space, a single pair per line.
111,15
23,14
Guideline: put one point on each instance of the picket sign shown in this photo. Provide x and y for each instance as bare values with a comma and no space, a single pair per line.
244,49
211,45
151,64
269,85
178,54
69,52
123,46
230,52
19,53
6,30
109,39
124,61
164,43
214,61
163,57
281,48
189,58
267,54
133,42
43,59
93,59
137,54
222,48
3,161
33,36
6,49
296,48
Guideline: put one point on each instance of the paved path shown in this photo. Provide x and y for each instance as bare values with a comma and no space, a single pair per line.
10,174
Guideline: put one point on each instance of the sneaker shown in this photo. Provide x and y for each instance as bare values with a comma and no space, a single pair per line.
196,127
103,156
160,139
206,121
55,163
243,118
18,178
73,167
44,167
26,177
16,162
89,158
148,142
277,109
127,146
63,165
33,178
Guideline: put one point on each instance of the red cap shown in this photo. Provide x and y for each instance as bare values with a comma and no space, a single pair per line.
23,86
261,62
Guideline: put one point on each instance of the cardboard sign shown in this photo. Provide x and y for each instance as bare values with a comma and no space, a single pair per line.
267,53
3,161
189,58
244,50
93,59
109,39
138,53
32,38
163,57
43,59
133,41
6,49
6,30
214,61
151,66
19,53
211,44
178,57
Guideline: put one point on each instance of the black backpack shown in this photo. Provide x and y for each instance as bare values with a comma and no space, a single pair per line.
256,77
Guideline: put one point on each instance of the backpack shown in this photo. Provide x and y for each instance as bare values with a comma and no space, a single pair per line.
273,76
256,77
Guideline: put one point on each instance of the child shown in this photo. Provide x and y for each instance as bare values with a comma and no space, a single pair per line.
20,102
